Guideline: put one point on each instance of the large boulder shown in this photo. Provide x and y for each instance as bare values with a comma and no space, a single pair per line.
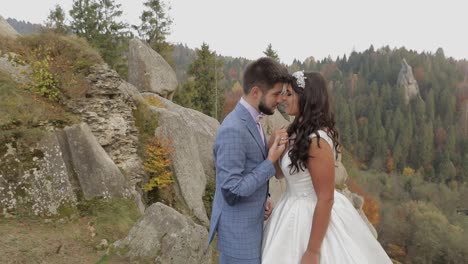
192,135
149,72
407,80
47,178
35,180
6,30
96,172
163,235
18,72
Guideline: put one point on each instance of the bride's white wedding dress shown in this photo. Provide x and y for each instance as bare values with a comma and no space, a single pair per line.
286,234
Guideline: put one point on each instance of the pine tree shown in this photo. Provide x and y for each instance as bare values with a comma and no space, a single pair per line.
155,27
56,20
270,52
206,74
97,22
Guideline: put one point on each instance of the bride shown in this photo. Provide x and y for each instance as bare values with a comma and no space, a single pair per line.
312,223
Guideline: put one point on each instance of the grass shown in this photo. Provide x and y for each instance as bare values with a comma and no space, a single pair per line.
20,108
112,218
69,59
33,241
208,197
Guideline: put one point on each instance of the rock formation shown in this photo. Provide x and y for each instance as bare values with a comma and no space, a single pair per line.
149,72
6,30
407,80
163,235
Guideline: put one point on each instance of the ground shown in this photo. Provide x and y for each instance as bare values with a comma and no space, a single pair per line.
33,241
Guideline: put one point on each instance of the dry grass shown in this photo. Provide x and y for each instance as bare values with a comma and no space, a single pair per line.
70,58
32,241
18,105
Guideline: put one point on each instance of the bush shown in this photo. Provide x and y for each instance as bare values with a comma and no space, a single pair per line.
158,164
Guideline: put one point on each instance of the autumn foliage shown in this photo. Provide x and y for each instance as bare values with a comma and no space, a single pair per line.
158,163
231,98
371,207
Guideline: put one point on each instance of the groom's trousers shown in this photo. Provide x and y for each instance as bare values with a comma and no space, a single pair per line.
223,259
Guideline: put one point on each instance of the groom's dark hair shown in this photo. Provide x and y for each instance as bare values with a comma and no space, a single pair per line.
264,73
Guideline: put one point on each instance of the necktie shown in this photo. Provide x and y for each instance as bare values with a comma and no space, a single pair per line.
258,120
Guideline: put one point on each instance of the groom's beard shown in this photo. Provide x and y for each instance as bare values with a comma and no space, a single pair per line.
264,108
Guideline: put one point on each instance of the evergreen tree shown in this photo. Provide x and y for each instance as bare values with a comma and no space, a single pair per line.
56,20
97,22
270,52
206,74
155,27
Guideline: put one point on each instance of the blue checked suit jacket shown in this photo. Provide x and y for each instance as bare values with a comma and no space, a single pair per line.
242,174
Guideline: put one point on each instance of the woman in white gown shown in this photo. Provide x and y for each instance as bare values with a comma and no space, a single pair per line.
312,223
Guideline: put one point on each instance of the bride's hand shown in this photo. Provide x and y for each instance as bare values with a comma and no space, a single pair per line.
280,133
310,257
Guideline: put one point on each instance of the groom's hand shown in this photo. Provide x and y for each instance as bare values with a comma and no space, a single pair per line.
268,208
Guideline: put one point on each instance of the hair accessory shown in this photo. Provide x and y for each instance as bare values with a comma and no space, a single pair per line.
300,78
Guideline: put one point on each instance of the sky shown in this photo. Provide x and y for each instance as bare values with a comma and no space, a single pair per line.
295,28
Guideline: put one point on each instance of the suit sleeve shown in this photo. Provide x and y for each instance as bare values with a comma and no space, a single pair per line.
230,152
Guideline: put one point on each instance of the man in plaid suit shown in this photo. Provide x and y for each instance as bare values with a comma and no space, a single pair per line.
244,165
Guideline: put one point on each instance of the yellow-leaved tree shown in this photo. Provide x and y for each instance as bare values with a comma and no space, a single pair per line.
158,163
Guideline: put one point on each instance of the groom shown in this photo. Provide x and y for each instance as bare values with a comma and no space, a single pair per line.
244,165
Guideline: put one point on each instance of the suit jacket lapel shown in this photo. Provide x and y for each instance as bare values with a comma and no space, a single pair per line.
251,126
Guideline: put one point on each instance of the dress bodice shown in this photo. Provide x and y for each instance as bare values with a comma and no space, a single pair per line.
300,183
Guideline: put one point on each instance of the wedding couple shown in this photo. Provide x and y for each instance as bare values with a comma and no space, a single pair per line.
311,223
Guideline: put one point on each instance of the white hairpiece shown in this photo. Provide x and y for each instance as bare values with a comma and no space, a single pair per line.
300,78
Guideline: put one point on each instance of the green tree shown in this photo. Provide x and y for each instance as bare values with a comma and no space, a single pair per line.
56,20
98,22
206,73
155,27
270,52
184,94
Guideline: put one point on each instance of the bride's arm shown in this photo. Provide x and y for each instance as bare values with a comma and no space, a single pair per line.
279,173
280,132
321,166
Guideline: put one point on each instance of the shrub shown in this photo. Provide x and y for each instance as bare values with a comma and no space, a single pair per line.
407,171
154,101
45,82
158,163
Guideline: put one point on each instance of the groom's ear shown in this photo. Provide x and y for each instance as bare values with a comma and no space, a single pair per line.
256,91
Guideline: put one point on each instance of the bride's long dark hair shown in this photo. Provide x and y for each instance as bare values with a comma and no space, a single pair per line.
314,113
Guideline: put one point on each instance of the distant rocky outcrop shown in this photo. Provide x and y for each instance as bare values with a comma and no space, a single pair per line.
407,80
6,30
149,72
24,27
163,235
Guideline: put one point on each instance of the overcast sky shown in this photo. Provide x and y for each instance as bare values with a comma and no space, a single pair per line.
296,28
